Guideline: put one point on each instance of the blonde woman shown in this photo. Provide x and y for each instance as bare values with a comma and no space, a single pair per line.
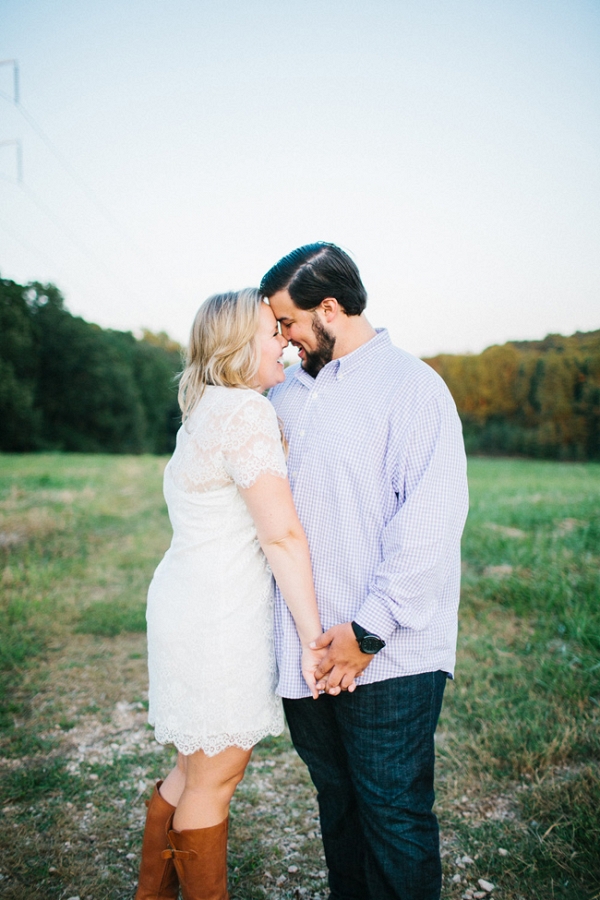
210,643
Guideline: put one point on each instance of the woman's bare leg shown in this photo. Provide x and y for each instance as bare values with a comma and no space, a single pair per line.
210,782
172,787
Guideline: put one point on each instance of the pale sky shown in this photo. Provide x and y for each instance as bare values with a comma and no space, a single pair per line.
451,147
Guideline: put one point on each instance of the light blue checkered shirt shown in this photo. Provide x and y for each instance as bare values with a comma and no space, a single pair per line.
378,472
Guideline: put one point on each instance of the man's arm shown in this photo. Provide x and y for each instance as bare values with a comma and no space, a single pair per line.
418,543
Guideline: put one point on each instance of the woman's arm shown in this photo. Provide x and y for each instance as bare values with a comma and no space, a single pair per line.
284,543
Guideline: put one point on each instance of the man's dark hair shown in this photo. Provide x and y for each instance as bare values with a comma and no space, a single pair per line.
314,272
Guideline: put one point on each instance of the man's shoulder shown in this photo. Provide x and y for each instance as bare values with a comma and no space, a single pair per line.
408,372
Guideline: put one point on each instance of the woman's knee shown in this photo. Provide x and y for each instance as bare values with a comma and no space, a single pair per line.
219,773
233,774
237,777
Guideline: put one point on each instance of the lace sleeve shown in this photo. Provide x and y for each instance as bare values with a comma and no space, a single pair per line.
252,442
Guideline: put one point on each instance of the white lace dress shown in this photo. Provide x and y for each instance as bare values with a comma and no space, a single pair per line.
211,658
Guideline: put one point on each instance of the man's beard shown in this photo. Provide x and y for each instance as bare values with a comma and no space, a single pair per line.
314,362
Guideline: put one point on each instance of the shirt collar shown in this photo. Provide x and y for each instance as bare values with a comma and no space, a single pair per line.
345,364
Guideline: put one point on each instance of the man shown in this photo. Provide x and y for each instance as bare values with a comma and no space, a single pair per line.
377,468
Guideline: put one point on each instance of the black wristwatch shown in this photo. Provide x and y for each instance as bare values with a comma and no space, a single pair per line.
368,643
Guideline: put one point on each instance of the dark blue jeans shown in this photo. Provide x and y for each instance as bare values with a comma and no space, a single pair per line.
371,757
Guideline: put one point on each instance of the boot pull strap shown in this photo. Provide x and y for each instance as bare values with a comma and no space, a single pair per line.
178,854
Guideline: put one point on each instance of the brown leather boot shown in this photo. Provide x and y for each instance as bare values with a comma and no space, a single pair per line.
158,877
200,857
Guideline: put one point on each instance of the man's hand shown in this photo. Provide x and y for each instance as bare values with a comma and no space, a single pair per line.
344,659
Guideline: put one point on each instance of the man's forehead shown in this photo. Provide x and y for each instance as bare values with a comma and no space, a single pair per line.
282,305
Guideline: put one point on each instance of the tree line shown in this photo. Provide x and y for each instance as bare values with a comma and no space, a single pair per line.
67,384
535,398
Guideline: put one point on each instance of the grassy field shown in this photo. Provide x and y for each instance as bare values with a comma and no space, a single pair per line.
518,743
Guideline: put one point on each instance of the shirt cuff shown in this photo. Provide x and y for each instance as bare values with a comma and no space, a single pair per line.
376,617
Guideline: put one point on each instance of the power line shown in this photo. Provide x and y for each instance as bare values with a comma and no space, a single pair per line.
83,248
27,246
118,281
71,172
74,175
64,162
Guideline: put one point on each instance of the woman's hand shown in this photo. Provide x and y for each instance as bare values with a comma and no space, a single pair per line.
310,661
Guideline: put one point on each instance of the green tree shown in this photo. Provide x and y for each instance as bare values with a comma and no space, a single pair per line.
155,365
66,384
19,419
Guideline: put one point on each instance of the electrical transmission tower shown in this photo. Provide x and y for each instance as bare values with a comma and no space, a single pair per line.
14,142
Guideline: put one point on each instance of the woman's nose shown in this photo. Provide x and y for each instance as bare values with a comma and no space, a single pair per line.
283,341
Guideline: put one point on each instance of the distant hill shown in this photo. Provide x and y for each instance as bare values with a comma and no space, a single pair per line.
535,398
587,341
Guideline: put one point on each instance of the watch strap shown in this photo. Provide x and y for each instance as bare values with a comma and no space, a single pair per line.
359,631
367,641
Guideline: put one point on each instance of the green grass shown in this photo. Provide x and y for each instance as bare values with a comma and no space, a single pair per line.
519,737
110,618
81,538
529,659
523,713
32,782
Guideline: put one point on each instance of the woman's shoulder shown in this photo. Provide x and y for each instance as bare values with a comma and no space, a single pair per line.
250,405
234,398
228,406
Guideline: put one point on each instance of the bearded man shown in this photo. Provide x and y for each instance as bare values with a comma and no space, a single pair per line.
378,472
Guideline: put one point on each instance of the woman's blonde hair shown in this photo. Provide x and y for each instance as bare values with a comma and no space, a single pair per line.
222,348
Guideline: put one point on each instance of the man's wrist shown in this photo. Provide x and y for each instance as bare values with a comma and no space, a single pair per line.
367,641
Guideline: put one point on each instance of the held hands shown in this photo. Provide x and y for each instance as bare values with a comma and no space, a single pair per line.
311,660
342,662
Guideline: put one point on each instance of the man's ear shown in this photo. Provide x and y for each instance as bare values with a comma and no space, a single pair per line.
330,308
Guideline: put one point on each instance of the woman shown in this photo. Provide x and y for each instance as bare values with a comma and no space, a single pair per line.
210,643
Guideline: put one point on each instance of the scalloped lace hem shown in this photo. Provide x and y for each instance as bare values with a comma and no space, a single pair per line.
187,745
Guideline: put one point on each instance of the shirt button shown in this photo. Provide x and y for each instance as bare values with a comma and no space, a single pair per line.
302,433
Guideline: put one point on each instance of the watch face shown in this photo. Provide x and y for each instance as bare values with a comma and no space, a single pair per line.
371,644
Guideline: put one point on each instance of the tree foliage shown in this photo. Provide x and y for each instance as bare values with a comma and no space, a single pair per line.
66,384
536,398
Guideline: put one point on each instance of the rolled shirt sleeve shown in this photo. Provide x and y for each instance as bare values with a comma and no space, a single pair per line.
420,542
